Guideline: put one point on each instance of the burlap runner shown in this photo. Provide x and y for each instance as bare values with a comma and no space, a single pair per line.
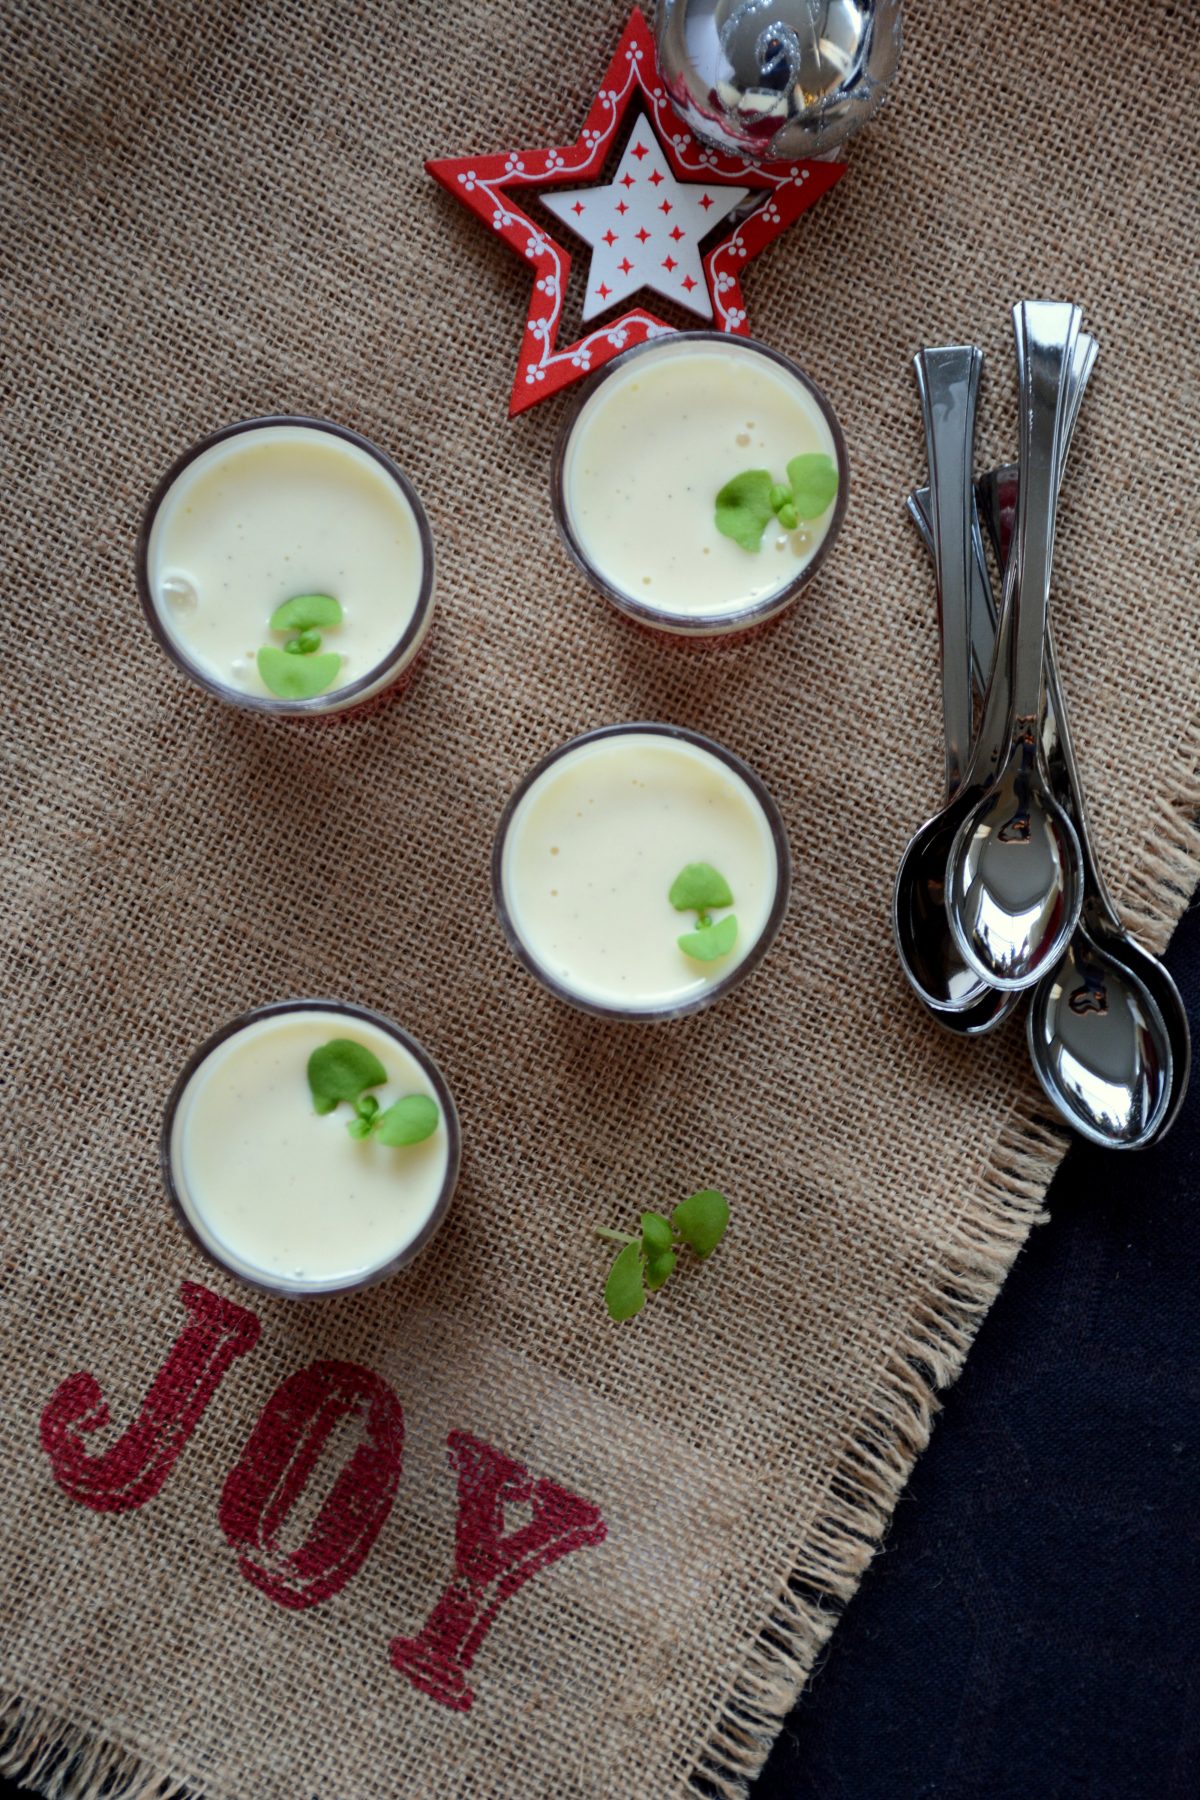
210,212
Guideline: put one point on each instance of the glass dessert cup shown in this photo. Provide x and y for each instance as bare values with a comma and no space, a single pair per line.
668,798
366,1172
676,407
390,504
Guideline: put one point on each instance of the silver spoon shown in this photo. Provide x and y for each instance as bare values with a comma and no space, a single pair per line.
919,923
1108,1031
1123,1016
958,999
1014,875
948,385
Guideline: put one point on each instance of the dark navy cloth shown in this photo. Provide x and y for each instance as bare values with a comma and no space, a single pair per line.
1031,1629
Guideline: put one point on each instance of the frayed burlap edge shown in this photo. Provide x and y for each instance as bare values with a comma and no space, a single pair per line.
896,1423
42,1751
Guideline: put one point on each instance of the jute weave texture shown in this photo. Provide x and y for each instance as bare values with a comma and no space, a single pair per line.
214,211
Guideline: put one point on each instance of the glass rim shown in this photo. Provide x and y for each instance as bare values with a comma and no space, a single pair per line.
381,1272
676,1009
388,669
733,619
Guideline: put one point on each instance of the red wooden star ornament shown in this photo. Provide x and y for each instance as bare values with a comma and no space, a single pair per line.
643,229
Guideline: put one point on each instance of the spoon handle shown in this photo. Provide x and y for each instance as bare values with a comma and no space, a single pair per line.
1046,334
948,384
983,605
996,492
995,497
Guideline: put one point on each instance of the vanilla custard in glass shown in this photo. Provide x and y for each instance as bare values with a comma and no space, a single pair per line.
283,1194
652,448
591,852
271,513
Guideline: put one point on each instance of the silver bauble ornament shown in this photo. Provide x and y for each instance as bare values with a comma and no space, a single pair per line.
776,79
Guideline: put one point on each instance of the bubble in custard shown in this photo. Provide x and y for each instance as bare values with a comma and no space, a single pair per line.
179,592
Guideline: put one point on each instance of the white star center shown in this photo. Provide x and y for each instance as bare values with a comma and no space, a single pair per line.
645,228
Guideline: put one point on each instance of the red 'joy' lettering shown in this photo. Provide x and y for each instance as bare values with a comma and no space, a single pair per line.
489,1564
132,1470
274,1468
277,1464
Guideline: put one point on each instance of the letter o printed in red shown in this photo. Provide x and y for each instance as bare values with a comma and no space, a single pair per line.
276,1464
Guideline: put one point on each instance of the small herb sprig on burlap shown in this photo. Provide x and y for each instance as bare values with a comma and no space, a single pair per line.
746,504
699,888
301,670
343,1071
649,1258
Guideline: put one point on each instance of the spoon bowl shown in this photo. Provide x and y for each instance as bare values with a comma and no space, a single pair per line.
1099,1045
1014,878
928,954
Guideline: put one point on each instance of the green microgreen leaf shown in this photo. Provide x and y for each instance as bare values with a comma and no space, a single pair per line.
305,611
408,1121
297,677
340,1070
781,495
708,942
366,1106
624,1294
697,887
814,480
701,1220
789,518
656,1232
359,1128
647,1262
658,1266
304,644
744,507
